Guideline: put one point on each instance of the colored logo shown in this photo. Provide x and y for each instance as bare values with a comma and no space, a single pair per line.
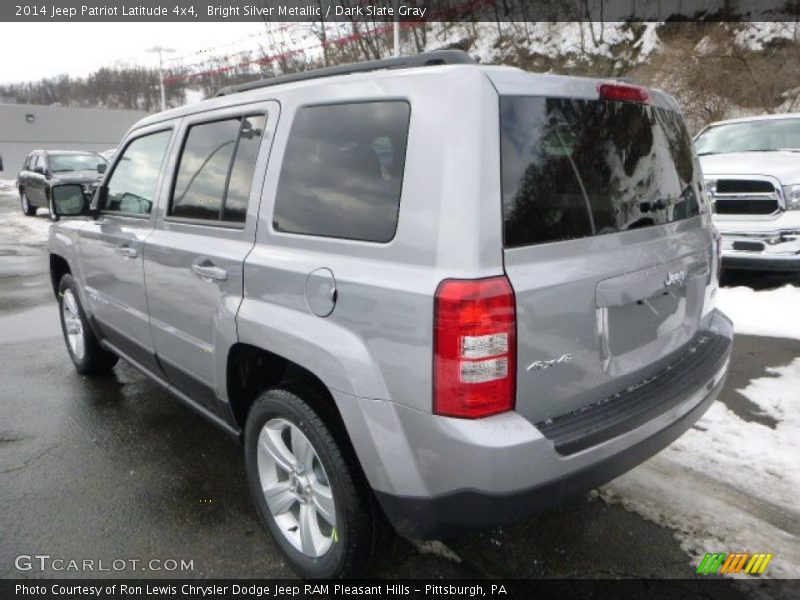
735,562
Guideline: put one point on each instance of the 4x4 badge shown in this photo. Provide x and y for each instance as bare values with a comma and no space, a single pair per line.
539,365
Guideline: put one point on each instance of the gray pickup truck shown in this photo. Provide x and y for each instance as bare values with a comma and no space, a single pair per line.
446,293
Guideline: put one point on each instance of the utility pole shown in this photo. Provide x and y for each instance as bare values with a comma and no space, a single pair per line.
161,50
396,29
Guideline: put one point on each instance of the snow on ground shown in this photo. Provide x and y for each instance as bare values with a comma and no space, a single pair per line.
729,485
770,313
25,230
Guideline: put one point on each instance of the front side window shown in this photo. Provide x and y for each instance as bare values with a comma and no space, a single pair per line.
578,168
342,173
215,172
132,185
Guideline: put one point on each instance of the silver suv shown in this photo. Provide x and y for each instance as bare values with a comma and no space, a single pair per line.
445,293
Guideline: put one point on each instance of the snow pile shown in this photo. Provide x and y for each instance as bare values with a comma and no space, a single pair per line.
770,313
577,41
7,184
729,485
757,36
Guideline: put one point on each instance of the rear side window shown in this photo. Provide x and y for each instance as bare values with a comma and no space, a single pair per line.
132,186
578,168
216,167
342,173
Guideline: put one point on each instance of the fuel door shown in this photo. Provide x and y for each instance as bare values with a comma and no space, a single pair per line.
320,292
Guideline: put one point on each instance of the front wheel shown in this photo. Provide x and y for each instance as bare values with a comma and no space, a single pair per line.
27,208
88,356
308,487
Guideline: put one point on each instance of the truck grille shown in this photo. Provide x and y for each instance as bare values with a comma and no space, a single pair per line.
747,206
745,197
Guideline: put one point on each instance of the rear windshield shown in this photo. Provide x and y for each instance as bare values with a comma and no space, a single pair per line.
578,168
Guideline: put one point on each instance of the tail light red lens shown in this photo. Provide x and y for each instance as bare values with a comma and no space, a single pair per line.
474,363
623,92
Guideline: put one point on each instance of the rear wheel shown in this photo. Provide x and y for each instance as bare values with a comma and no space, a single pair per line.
88,356
28,209
308,487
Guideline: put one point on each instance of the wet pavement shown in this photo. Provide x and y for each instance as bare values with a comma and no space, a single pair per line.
115,468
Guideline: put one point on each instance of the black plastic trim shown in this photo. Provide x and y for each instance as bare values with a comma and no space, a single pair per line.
604,420
761,262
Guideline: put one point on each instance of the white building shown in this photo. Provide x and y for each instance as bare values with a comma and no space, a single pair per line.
27,127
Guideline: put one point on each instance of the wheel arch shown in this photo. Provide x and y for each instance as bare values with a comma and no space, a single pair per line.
58,268
251,370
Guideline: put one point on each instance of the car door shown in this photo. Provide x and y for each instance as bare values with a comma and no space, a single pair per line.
111,247
34,185
193,260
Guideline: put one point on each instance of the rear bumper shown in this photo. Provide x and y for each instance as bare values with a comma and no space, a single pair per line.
435,476
449,514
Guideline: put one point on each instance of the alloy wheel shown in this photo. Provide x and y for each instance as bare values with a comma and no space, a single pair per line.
296,488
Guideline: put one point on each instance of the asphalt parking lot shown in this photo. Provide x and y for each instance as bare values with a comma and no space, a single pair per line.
115,468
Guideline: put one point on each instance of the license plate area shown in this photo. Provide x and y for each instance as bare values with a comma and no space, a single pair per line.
748,246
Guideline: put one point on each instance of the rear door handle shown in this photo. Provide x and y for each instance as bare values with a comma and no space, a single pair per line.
209,272
127,251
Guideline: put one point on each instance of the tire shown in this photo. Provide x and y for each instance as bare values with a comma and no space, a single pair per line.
88,356
342,549
27,208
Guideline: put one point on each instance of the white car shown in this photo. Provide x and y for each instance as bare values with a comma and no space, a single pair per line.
751,168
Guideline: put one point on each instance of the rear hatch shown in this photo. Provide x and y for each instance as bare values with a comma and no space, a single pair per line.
605,247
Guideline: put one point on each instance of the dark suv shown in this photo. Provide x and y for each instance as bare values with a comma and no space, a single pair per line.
45,168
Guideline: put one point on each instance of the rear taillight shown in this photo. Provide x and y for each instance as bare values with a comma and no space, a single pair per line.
622,92
474,348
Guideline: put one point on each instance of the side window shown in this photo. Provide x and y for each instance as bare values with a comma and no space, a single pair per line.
343,171
215,171
132,186
241,179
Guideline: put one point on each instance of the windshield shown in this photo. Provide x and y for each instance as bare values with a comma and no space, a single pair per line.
578,168
750,136
60,163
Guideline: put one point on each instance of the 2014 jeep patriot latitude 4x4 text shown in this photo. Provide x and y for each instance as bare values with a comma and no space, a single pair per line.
453,293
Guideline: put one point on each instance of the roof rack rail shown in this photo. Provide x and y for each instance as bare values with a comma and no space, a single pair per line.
425,59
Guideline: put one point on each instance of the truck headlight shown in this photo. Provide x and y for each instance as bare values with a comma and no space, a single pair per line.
791,194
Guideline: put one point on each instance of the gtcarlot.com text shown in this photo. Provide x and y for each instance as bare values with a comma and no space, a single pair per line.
46,562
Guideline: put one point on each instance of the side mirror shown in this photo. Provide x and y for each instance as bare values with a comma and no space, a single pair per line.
68,200
102,167
39,170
